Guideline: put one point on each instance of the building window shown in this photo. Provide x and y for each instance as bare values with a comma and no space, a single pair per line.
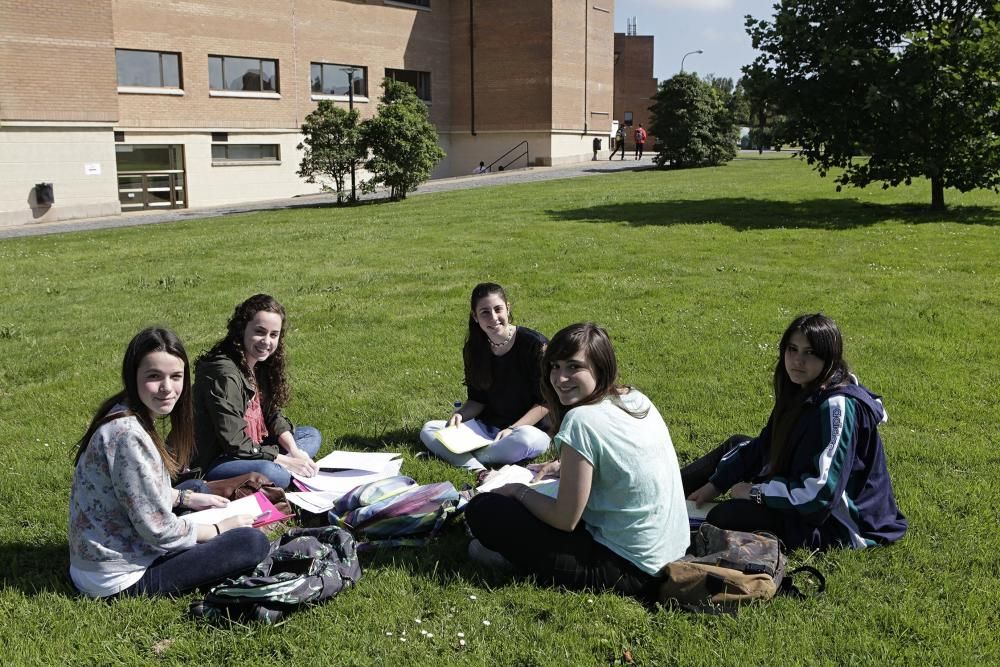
628,119
420,81
251,75
243,153
330,79
415,3
148,69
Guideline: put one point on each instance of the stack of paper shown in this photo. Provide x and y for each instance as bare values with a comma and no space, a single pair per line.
257,506
465,437
340,472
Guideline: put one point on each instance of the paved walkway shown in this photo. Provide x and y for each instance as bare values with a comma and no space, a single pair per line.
528,175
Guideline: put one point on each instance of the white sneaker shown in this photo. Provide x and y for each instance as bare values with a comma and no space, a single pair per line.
492,559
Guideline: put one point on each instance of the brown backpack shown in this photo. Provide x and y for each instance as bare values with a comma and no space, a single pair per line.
726,568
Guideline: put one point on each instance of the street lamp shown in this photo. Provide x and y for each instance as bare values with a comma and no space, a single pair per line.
689,53
350,106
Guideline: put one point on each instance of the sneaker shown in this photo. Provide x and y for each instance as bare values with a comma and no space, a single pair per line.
487,557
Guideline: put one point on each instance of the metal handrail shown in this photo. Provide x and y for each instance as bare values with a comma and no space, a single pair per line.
525,155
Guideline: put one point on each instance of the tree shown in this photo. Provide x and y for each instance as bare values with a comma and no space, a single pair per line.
332,145
763,117
693,124
911,85
403,143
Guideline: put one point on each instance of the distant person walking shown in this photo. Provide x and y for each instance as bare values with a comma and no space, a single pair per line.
640,142
619,143
481,169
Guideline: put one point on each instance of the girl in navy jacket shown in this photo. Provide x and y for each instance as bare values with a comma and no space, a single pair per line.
816,475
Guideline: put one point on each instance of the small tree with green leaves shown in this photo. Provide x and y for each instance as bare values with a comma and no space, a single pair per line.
403,143
331,146
693,122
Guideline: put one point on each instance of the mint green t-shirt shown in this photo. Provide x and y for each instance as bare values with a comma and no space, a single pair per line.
636,506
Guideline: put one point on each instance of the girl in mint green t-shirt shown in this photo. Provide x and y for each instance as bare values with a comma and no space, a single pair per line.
619,515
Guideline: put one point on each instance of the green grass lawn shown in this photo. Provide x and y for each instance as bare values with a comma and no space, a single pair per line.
694,273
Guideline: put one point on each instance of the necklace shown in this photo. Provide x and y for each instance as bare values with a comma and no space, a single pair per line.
510,334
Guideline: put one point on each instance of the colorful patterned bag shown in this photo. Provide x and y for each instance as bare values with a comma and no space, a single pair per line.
395,511
306,566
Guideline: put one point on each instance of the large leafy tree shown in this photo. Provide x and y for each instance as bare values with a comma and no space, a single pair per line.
402,141
888,90
331,146
693,123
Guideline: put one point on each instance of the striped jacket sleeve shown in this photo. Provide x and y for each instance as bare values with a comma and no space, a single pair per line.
821,465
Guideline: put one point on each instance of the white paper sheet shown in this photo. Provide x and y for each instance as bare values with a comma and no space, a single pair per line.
515,474
370,461
339,483
316,502
247,505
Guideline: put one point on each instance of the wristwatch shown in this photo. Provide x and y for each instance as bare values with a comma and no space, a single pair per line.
755,495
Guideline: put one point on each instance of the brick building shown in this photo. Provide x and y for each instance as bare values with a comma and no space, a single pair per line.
125,105
635,86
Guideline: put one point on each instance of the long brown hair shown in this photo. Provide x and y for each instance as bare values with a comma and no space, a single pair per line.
594,343
477,354
828,345
178,454
272,368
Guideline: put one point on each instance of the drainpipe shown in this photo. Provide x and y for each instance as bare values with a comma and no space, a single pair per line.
586,60
472,68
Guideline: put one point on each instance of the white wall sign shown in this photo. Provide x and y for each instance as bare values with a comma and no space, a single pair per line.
92,169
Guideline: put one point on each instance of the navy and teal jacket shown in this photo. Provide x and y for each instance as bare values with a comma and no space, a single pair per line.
836,489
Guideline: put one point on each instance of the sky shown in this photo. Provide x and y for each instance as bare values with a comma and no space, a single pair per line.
679,26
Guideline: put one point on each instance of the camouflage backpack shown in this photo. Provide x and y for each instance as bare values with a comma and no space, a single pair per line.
306,566
726,568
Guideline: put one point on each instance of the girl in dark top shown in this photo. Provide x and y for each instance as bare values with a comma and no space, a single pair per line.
503,377
816,475
239,390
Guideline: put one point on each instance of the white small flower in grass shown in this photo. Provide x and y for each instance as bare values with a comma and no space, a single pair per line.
423,632
402,639
472,597
461,634
417,620
590,600
388,634
461,642
430,635
485,622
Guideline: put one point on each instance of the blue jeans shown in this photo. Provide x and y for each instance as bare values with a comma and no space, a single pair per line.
231,554
524,442
306,437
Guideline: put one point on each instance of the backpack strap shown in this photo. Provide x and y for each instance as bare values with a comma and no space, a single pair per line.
789,588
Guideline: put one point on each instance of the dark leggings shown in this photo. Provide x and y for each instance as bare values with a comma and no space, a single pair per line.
231,554
572,560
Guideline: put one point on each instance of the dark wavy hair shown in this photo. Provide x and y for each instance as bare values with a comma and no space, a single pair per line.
827,344
476,354
789,398
274,367
594,343
178,454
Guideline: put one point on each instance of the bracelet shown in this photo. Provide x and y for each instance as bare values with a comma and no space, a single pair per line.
183,497
217,531
520,494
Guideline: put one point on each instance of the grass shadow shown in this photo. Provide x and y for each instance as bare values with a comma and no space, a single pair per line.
33,569
408,439
746,214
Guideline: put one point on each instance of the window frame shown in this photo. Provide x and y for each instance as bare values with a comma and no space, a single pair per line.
358,97
161,89
228,92
243,162
420,74
421,5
